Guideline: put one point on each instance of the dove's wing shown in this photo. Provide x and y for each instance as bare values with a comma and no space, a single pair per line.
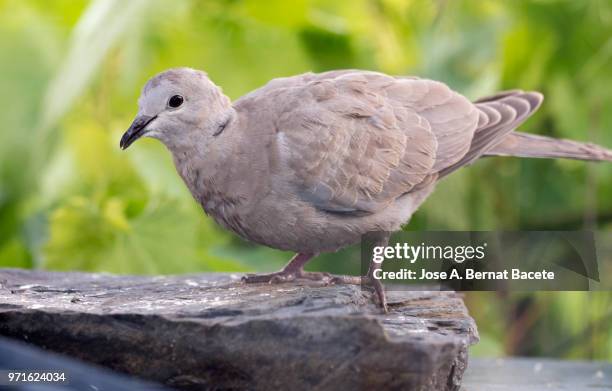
353,142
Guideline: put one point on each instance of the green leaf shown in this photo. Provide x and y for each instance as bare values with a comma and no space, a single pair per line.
100,237
99,28
278,12
14,253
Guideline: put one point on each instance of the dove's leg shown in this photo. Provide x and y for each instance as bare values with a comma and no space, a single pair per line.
369,279
378,286
294,270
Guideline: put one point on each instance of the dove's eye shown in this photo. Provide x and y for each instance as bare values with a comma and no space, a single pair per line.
175,101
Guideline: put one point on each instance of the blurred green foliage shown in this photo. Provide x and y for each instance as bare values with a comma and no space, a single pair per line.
71,72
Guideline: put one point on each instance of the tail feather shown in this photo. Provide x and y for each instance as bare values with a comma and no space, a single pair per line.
495,135
535,146
499,115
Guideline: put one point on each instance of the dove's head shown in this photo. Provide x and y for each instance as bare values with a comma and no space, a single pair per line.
176,107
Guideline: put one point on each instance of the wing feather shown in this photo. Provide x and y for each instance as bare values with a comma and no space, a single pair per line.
499,115
357,141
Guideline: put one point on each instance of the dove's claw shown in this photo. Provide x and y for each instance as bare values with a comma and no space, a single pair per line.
352,280
270,278
286,276
380,293
365,281
315,276
280,278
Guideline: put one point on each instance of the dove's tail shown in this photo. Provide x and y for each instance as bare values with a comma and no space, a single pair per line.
495,135
519,144
534,146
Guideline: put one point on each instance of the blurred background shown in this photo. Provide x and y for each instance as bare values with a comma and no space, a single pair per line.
71,72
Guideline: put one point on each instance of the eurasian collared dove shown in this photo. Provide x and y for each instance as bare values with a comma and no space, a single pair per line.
310,163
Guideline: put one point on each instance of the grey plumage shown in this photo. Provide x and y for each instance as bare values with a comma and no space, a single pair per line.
310,163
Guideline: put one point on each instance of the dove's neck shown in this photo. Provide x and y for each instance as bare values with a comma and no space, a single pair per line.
218,165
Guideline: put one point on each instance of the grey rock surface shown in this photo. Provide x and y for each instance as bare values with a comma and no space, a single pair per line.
211,331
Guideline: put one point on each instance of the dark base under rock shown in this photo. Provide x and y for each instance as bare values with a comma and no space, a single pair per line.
211,331
18,357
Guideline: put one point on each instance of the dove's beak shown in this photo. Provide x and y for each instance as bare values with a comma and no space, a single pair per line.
137,129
